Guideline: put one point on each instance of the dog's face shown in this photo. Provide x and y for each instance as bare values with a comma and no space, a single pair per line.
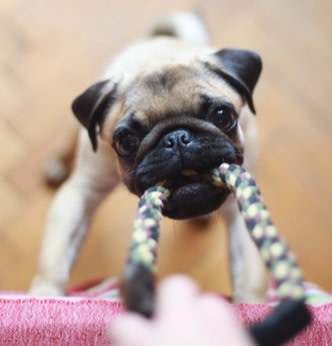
174,124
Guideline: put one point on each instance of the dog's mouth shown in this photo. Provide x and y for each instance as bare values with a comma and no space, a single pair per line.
187,176
192,195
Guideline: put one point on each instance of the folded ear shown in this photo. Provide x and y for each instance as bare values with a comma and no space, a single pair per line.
241,68
92,106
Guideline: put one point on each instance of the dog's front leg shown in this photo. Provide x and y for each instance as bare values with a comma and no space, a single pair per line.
248,272
69,217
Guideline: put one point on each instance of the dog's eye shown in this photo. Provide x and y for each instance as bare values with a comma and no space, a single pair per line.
224,117
126,144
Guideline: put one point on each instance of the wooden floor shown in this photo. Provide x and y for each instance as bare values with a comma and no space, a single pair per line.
51,50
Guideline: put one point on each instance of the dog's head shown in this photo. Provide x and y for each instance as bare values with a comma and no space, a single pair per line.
175,123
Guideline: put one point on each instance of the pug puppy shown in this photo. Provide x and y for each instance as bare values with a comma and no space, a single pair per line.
167,110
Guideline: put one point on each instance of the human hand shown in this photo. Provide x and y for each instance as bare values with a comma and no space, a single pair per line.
183,316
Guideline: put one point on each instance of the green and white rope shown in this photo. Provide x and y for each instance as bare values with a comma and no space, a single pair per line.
144,242
274,251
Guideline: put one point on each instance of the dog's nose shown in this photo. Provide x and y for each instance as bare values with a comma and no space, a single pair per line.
180,138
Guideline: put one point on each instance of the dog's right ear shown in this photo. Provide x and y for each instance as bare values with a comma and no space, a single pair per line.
240,68
91,107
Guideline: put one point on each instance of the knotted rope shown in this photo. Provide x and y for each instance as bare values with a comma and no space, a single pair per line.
273,249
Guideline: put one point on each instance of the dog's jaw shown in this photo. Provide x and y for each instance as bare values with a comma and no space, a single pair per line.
178,160
191,194
194,199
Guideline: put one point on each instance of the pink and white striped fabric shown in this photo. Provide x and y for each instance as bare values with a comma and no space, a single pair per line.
85,316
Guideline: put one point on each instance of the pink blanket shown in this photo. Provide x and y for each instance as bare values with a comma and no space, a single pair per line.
84,317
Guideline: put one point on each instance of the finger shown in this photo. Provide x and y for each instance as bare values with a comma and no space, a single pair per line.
216,307
175,294
129,329
222,319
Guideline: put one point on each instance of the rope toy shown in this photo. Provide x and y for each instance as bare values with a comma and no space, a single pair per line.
137,287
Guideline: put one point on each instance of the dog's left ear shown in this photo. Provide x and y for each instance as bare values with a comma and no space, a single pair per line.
92,106
240,68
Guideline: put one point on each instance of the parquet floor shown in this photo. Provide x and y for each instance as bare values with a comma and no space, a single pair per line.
51,50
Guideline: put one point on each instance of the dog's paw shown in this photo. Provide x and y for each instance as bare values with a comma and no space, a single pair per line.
138,290
39,288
